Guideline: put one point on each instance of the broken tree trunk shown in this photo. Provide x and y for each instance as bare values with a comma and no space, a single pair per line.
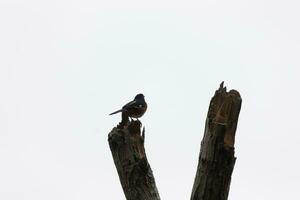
216,159
127,146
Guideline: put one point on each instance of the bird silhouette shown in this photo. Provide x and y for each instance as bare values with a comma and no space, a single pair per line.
135,108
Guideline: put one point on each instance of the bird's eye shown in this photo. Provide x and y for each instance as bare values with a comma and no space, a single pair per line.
140,105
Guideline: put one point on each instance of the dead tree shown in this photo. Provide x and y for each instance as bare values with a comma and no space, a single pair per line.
216,159
126,143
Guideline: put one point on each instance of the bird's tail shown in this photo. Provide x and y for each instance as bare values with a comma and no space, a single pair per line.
116,112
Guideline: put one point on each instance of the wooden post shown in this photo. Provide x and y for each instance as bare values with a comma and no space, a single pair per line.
216,159
127,146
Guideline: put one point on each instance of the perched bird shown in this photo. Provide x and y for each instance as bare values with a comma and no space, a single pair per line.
135,108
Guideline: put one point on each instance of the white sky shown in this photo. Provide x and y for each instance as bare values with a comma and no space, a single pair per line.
66,64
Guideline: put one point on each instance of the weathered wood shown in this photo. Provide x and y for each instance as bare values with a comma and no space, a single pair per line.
127,146
216,159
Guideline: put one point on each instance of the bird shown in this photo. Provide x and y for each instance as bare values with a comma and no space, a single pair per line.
135,108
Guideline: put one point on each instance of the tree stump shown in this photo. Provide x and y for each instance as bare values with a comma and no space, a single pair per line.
127,146
216,159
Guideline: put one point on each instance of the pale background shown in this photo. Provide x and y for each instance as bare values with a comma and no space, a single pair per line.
66,64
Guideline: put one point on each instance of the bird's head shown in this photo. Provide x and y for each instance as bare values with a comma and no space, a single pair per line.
139,97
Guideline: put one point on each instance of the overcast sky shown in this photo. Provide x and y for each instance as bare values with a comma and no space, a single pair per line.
66,64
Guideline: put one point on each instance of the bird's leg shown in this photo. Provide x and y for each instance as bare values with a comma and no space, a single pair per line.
138,121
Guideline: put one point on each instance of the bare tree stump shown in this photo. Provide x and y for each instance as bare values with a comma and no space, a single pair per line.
127,146
216,159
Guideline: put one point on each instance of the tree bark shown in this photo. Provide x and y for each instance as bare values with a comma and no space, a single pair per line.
127,146
216,159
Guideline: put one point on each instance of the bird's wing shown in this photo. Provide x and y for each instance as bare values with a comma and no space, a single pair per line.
132,105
